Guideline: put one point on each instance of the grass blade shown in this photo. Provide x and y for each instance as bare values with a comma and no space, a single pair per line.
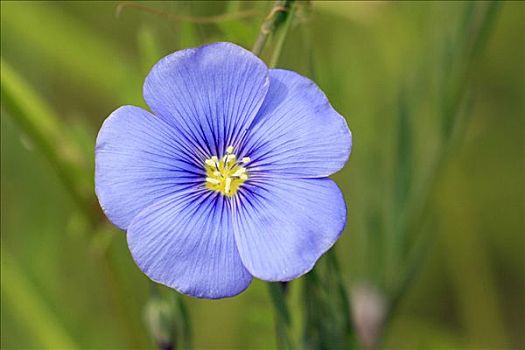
28,308
45,129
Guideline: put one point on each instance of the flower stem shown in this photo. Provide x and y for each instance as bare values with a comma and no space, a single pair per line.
282,315
47,133
281,38
167,320
452,111
279,14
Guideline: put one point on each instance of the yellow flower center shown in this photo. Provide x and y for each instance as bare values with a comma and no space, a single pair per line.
227,174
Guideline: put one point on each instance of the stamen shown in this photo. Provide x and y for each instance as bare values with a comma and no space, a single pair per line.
226,174
239,172
213,181
227,185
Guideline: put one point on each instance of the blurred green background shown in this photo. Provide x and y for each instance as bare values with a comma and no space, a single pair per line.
400,74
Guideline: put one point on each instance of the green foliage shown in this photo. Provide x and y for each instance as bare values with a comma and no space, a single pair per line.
167,319
30,310
46,130
326,308
79,51
434,96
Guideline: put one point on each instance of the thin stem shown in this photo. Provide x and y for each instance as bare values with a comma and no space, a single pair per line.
341,290
420,203
277,16
28,308
281,38
282,315
44,128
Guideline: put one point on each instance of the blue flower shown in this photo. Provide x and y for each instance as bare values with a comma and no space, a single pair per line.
226,179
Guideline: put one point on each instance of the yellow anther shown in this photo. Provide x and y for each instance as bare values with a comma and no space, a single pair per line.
239,172
227,185
212,181
225,175
246,160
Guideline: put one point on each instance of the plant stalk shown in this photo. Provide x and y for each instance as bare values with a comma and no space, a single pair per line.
420,203
279,14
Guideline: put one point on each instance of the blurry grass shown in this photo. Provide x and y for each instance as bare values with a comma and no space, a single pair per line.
466,46
78,50
468,265
20,297
46,130
148,48
377,64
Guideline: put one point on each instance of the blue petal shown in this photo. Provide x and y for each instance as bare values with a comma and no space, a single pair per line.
186,242
211,93
282,226
296,133
138,160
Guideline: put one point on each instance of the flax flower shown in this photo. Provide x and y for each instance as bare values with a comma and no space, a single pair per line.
226,178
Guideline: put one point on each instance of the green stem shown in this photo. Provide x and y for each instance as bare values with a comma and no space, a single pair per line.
28,307
420,203
282,316
46,131
281,38
166,318
278,15
39,122
342,293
